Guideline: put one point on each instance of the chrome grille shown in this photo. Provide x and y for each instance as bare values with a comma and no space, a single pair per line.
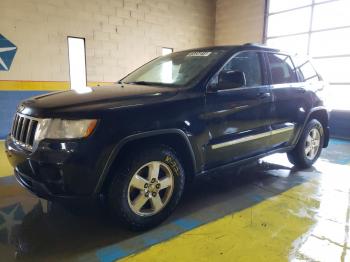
23,130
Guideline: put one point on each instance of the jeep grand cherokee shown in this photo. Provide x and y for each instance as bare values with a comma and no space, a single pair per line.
189,113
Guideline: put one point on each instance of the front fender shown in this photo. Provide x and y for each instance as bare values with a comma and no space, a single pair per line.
132,138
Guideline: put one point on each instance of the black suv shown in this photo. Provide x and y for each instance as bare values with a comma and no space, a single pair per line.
186,114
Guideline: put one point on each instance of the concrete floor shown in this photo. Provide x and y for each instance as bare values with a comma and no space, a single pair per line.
268,212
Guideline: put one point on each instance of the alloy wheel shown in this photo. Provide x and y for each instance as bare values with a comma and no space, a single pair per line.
150,188
312,143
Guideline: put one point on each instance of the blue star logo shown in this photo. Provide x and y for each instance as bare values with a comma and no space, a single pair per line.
10,217
7,53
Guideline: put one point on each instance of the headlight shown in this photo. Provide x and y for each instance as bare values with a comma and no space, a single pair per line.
59,128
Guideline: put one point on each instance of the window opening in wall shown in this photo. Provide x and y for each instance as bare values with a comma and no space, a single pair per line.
77,64
166,50
321,30
167,67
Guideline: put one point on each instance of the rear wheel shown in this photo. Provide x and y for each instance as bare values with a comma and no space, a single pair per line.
309,147
147,188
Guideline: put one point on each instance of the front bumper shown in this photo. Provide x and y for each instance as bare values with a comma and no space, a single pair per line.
56,170
39,189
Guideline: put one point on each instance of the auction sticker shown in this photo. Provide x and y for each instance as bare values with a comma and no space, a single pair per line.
199,54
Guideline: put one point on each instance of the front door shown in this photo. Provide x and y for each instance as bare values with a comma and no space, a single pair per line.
238,119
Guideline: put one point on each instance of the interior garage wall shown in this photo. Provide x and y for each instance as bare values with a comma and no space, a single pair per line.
120,35
239,21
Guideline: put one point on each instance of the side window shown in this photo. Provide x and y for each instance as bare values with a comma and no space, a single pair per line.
306,70
282,69
250,64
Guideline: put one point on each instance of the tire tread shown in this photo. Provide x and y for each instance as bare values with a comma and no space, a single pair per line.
118,199
297,155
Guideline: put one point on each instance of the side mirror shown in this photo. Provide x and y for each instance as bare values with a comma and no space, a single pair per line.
231,79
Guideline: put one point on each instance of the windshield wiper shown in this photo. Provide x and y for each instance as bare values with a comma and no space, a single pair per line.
147,83
140,83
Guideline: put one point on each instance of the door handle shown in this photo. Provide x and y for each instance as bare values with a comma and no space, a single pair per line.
263,95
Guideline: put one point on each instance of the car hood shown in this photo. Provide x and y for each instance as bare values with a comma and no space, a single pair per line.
95,99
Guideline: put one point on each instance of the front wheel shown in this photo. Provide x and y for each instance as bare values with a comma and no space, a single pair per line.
309,146
147,187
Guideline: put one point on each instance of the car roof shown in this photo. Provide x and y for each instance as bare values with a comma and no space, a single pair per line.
247,46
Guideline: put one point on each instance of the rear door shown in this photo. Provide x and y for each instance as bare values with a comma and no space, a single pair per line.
238,119
290,103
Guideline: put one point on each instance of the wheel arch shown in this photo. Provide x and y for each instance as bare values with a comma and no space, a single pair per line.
174,138
320,114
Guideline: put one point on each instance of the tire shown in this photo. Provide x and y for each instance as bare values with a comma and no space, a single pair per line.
305,153
128,192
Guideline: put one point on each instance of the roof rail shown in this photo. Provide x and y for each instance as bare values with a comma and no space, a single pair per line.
256,44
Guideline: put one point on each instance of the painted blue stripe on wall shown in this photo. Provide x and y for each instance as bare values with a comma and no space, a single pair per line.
8,104
339,123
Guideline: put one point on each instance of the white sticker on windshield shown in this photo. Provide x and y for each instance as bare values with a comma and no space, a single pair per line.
199,54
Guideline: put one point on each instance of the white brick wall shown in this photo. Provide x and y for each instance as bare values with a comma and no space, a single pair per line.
120,34
239,21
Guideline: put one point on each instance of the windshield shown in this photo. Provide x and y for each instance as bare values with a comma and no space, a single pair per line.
176,69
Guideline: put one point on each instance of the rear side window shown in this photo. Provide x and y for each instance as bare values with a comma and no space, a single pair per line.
250,64
306,70
282,69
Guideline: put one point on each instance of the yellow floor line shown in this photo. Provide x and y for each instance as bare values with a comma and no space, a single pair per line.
5,167
264,232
